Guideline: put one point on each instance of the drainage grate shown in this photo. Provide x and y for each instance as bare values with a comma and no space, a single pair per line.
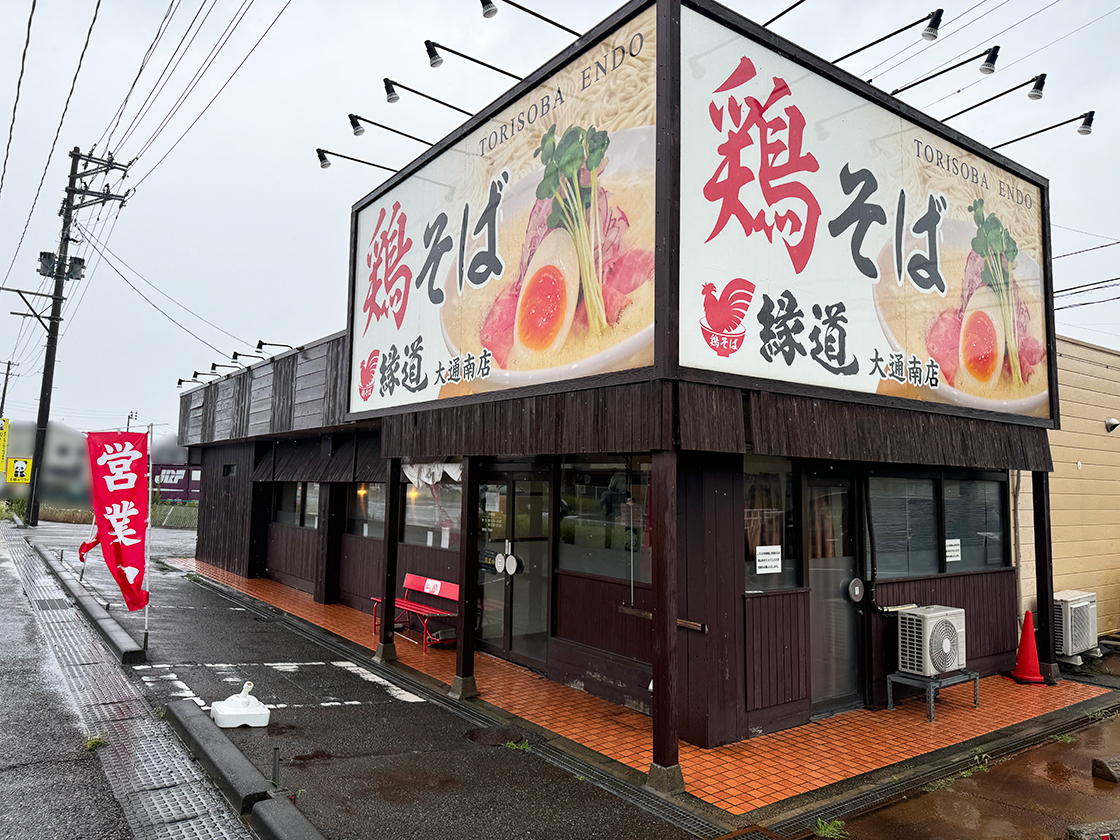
47,604
164,795
647,801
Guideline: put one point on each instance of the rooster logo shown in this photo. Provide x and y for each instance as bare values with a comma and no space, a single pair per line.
368,372
722,324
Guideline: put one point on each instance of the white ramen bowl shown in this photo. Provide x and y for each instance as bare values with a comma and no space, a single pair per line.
957,236
631,149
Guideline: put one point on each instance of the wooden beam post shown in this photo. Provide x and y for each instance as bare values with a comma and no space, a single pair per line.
665,772
1044,575
463,686
386,646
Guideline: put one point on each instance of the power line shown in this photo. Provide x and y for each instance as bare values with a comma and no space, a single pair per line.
941,40
15,105
1087,250
54,143
187,309
1085,232
1087,287
207,62
168,70
984,41
1024,58
156,307
216,95
1085,303
115,120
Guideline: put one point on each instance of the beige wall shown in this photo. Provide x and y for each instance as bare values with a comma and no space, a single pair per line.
1085,500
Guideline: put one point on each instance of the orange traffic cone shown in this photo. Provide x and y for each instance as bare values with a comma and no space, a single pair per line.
1026,663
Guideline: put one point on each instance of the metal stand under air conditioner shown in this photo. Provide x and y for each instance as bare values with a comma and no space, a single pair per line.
933,686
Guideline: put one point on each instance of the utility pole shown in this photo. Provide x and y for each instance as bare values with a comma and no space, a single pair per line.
4,395
63,270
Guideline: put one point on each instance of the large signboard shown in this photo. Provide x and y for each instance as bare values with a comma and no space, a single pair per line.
523,254
827,241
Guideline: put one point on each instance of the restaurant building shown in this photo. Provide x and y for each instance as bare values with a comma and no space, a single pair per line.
698,330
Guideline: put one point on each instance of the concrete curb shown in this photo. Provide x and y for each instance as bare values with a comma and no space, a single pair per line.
279,819
127,651
237,777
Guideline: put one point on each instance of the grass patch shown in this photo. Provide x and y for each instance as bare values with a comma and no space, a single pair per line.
981,763
93,742
158,712
163,567
832,829
940,784
1064,738
522,745
194,577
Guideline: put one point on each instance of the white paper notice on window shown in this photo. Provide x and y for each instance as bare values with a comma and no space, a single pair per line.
492,501
952,551
445,538
768,560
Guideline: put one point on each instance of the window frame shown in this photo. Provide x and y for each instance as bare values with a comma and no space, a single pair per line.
301,504
939,477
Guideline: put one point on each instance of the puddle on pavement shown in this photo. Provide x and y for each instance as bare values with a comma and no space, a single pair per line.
1035,794
314,755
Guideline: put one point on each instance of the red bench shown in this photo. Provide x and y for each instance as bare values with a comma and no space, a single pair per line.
406,607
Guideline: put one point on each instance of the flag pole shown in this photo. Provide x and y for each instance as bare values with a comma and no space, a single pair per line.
148,542
92,531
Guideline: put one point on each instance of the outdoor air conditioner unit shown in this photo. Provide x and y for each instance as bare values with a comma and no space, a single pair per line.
931,640
1075,621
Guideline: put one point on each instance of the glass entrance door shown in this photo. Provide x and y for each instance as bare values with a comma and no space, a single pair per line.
832,564
514,567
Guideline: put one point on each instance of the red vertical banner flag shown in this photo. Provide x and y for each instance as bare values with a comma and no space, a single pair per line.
118,462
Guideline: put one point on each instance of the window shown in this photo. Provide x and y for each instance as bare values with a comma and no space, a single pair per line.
433,504
229,470
772,561
904,516
604,516
296,503
367,511
974,516
196,475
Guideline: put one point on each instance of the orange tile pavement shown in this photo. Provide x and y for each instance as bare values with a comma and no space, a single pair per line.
738,777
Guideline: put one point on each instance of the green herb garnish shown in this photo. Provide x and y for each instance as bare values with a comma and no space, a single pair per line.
575,205
993,242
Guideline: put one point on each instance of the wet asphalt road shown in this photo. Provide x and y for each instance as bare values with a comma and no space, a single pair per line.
50,785
368,759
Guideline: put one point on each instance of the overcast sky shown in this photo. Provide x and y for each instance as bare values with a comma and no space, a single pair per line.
240,225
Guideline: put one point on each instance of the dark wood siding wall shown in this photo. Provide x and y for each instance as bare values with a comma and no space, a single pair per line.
777,659
293,556
300,390
587,611
804,427
991,619
711,578
622,418
230,524
260,401
361,573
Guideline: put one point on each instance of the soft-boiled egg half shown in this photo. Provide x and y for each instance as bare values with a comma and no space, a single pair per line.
549,293
982,342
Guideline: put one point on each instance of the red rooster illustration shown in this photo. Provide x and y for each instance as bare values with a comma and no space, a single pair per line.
368,372
725,313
